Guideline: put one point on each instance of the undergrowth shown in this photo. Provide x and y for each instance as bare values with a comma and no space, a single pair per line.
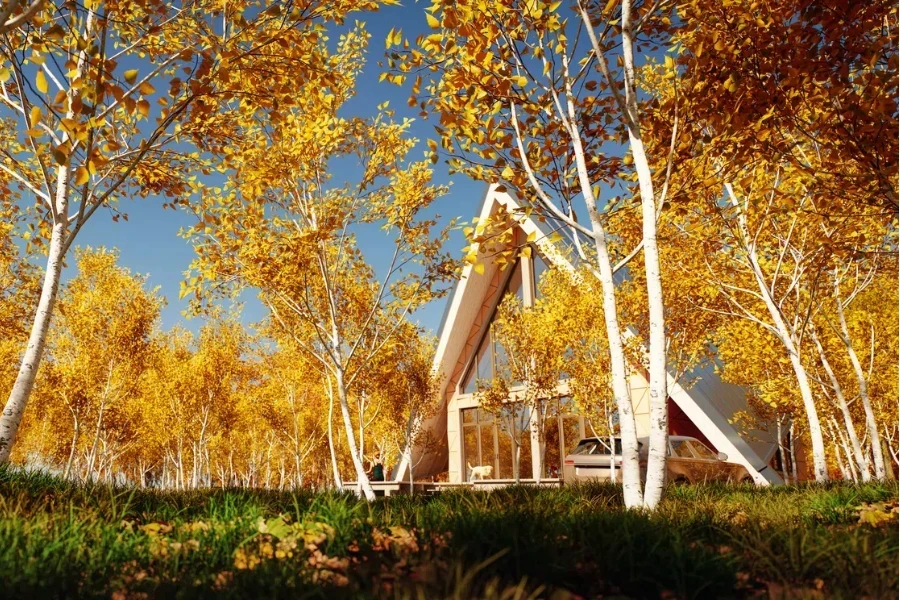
63,540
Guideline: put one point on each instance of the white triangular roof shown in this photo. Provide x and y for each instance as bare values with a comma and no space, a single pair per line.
709,402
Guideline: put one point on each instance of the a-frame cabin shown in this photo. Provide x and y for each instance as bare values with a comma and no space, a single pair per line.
466,435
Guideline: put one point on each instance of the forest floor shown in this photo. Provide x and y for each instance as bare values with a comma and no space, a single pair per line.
708,541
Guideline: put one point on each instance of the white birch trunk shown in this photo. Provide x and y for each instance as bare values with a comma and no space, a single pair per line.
889,443
180,470
334,464
782,455
659,414
820,465
858,456
631,470
31,361
613,475
75,433
535,431
361,478
97,433
232,480
871,425
794,473
841,444
410,466
845,474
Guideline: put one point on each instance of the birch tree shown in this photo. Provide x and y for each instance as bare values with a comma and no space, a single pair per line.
533,98
80,132
99,349
295,240
293,405
788,172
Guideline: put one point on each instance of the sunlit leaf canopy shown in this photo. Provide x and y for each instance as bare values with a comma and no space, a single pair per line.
489,67
129,96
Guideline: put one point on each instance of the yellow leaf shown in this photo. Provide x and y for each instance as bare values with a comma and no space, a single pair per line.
60,155
57,32
146,89
143,107
4,75
41,82
35,115
432,22
131,76
478,268
81,176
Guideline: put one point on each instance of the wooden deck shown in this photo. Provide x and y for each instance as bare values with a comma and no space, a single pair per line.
495,484
381,488
388,488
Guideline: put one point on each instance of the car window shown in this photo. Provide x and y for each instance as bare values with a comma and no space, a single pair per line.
585,448
702,451
681,449
594,447
603,447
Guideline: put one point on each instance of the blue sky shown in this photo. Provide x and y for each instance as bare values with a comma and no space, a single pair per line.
149,243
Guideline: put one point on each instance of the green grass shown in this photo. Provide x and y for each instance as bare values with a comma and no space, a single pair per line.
713,541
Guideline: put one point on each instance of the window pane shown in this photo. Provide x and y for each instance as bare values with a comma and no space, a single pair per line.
539,268
485,372
481,369
525,471
551,460
681,449
470,448
471,384
501,362
515,283
505,458
702,451
468,415
571,434
488,454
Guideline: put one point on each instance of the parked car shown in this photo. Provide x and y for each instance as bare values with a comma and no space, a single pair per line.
688,461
